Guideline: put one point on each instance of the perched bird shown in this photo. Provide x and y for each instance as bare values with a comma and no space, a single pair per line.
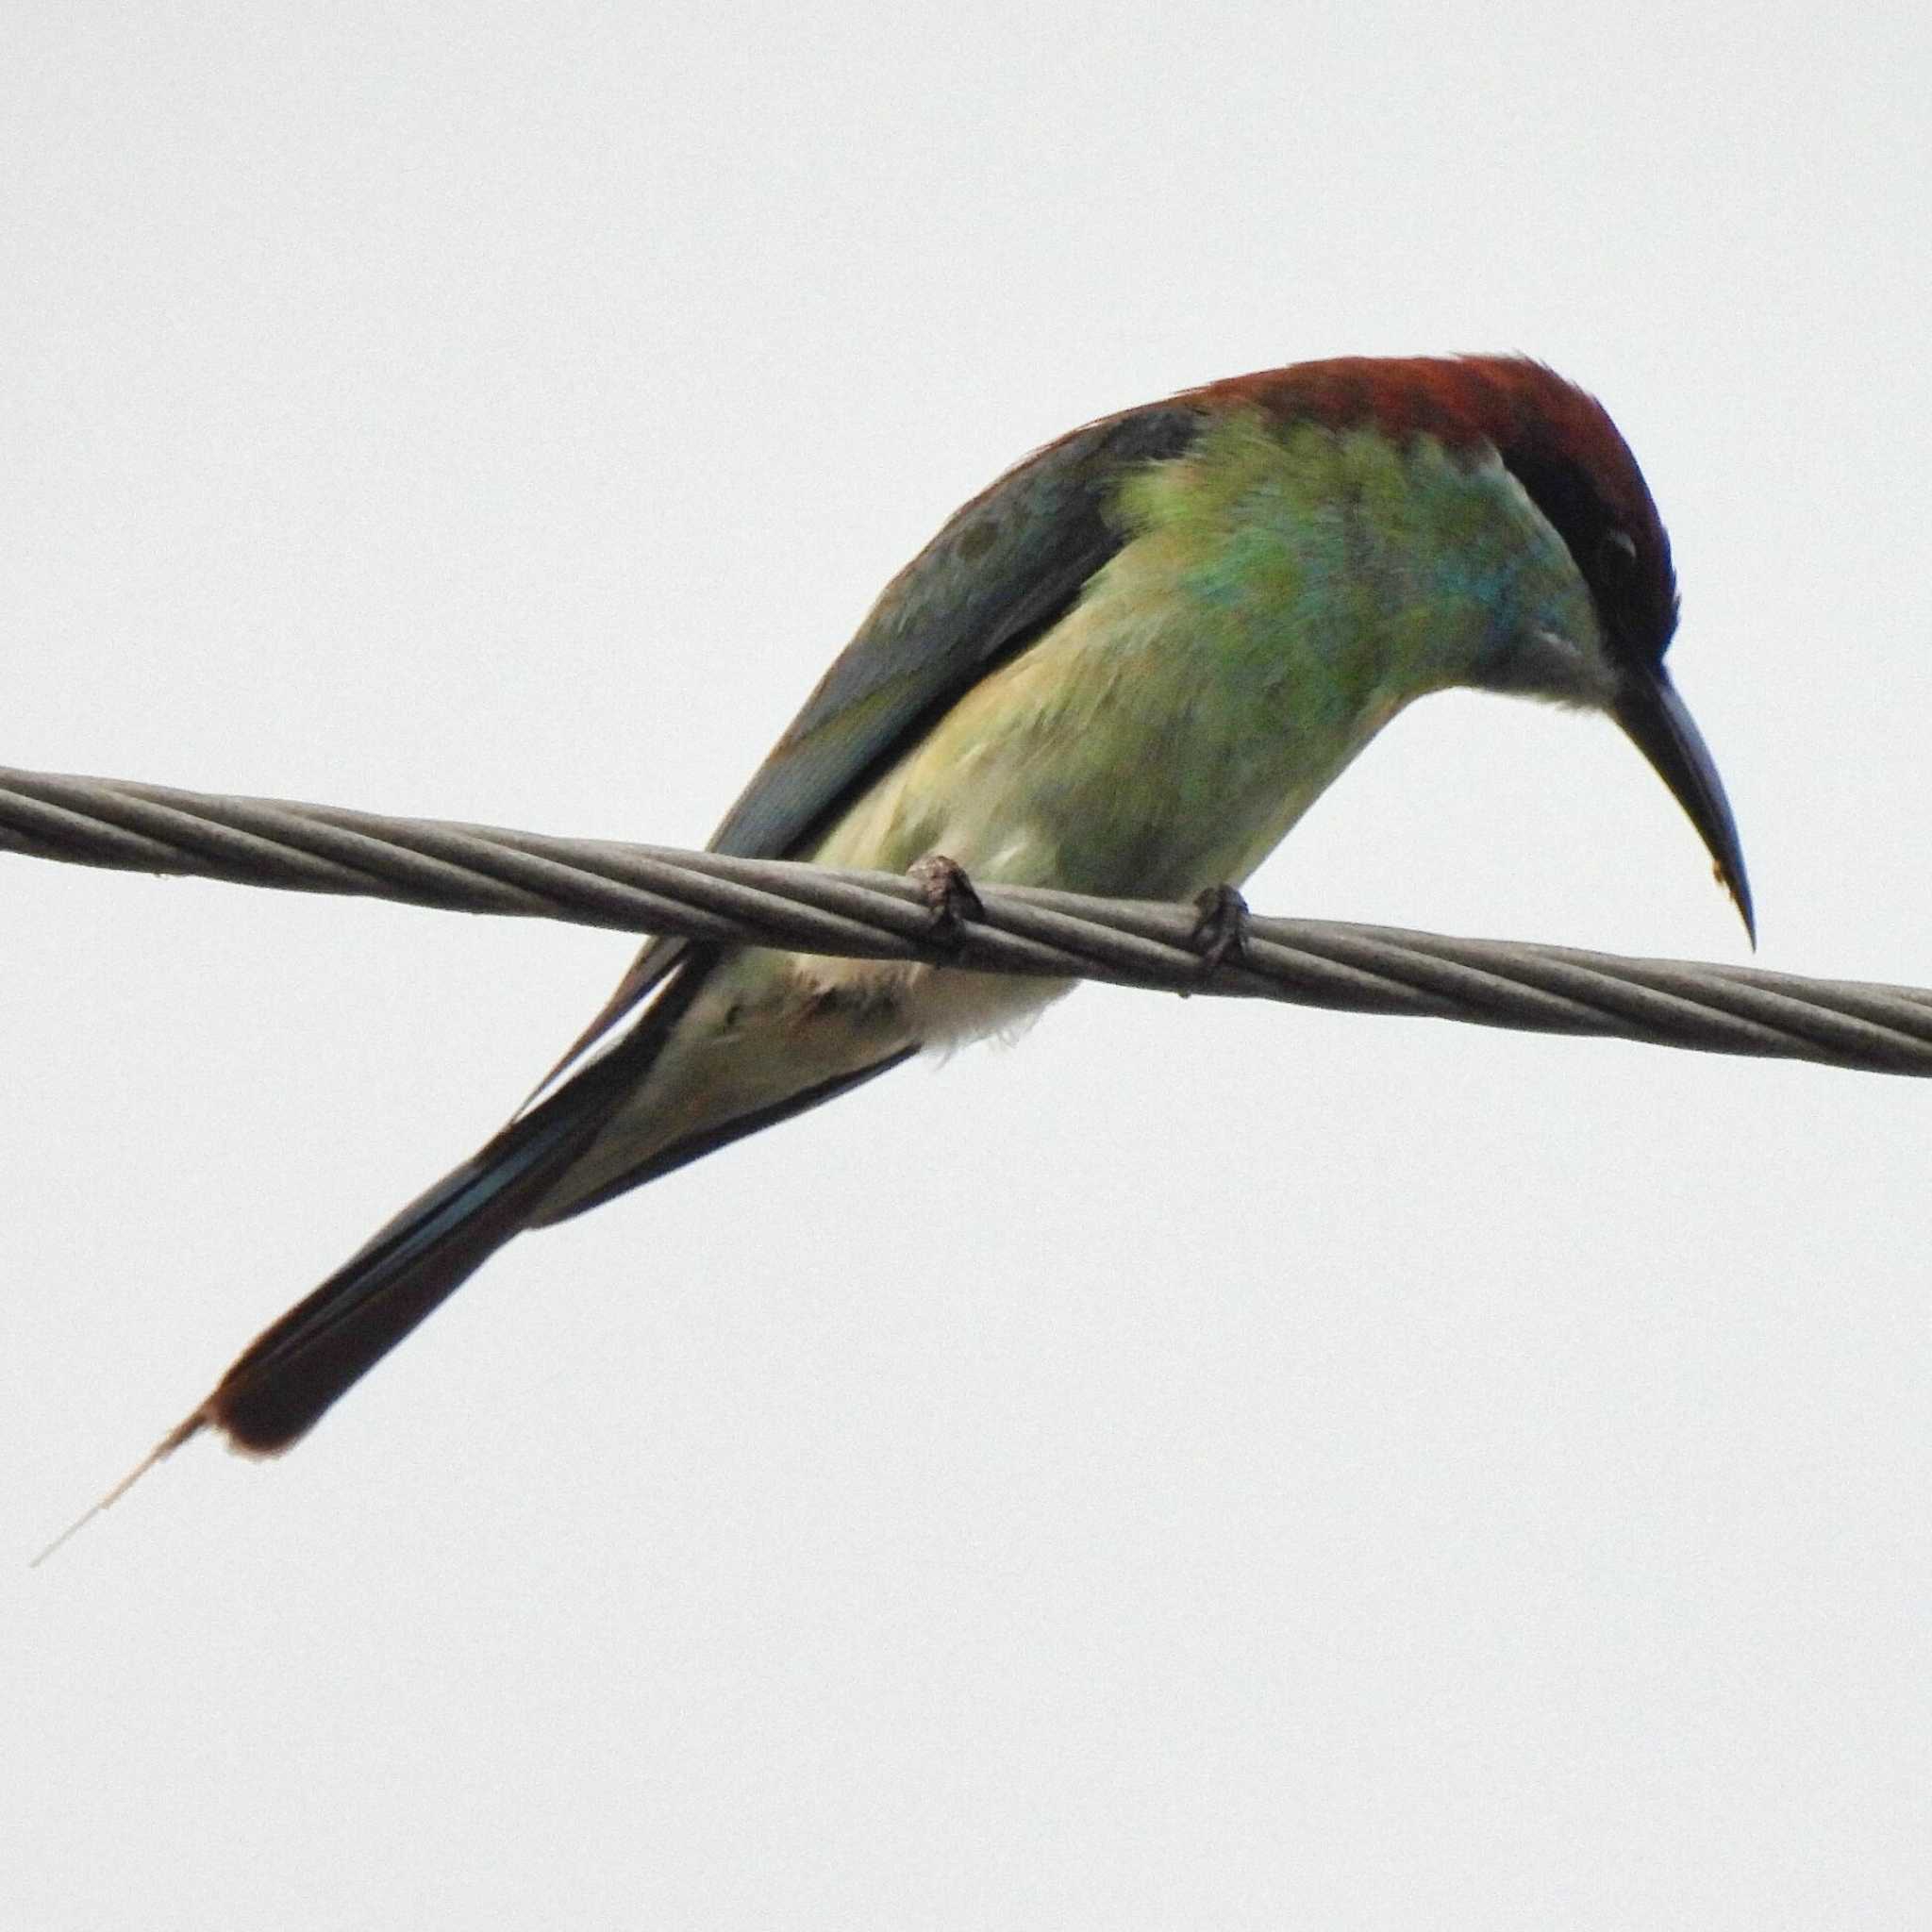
1128,668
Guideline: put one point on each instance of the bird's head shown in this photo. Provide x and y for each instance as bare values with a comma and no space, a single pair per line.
1577,473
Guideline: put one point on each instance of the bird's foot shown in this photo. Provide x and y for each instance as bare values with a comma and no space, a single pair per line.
1222,931
949,896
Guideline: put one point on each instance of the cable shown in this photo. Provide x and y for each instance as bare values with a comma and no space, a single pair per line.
1363,969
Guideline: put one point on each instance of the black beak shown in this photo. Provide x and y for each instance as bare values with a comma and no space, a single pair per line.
1653,715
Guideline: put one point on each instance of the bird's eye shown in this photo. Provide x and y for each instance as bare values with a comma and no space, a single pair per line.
1618,550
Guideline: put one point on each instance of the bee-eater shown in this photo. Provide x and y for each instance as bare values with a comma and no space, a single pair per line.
1127,668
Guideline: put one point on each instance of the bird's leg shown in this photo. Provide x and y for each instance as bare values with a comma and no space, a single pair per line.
949,896
1222,931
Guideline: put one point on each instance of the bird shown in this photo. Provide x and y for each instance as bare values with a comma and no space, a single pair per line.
1127,668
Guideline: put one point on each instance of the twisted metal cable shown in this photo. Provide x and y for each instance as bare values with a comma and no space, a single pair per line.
703,896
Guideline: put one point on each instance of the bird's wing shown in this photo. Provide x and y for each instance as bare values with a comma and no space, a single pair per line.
1002,572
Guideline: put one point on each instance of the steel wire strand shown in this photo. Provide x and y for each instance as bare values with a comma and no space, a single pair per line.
449,866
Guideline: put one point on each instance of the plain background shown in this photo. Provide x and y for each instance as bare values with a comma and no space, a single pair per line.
1205,1466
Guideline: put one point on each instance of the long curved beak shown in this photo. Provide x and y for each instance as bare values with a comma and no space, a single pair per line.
1654,717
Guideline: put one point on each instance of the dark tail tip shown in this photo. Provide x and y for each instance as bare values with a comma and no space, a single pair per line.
283,1382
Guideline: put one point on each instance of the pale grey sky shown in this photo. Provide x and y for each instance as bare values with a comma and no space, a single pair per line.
1203,1467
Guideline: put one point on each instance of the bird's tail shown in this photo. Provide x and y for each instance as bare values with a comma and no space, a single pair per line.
283,1381
280,1385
